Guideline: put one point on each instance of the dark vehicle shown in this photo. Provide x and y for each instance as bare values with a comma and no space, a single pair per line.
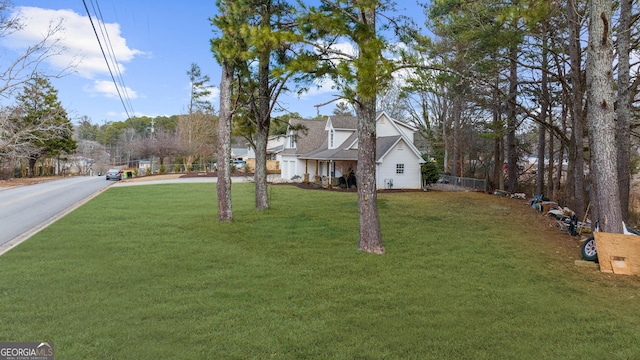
114,174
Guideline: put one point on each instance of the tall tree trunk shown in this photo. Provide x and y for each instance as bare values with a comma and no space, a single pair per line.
562,144
551,167
512,151
223,186
31,171
445,140
262,133
576,198
497,140
541,158
545,114
624,107
497,155
601,117
367,75
370,233
457,113
263,117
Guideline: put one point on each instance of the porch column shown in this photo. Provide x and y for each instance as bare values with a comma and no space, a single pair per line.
306,170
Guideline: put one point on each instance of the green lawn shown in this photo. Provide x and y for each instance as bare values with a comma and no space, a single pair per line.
147,272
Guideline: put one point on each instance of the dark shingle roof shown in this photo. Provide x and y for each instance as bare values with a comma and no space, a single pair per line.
344,122
309,139
384,144
314,144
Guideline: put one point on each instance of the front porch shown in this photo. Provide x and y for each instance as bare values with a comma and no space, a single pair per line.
329,173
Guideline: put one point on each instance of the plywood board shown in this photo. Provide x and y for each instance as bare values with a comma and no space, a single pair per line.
618,253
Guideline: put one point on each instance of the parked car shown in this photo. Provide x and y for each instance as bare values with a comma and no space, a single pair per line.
114,174
239,164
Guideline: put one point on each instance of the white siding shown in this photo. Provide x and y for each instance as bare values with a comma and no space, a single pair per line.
410,179
406,132
340,137
384,127
292,166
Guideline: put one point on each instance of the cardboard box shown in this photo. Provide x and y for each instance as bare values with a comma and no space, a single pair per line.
618,253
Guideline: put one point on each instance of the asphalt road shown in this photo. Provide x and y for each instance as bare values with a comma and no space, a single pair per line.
25,210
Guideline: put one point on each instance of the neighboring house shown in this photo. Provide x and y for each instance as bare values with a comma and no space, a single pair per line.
328,149
239,153
275,145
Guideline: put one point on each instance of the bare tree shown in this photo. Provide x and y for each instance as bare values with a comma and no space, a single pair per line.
17,71
196,136
17,140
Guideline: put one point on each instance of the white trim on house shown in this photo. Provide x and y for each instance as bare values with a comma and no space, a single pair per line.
394,145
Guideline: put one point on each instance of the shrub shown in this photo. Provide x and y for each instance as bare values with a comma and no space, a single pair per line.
430,172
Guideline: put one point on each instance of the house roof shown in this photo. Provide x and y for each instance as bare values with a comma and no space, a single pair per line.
239,151
313,138
276,149
344,122
340,153
383,145
314,145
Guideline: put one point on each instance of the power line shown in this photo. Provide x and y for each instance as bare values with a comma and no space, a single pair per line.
112,55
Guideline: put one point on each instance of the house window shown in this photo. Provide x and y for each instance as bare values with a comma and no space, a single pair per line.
332,135
292,140
399,168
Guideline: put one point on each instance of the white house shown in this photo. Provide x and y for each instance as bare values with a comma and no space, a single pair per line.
325,150
275,145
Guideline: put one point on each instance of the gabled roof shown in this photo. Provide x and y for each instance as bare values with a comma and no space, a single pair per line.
389,142
275,149
397,122
310,139
343,122
340,153
384,145
314,145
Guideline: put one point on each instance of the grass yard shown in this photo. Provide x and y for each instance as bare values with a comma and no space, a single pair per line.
147,272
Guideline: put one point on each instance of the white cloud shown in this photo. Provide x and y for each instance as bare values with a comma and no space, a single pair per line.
108,89
319,88
214,95
76,37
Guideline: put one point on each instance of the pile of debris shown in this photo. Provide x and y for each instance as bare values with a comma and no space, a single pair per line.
566,218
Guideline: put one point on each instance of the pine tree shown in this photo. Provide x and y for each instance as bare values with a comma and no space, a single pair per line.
359,76
42,117
601,116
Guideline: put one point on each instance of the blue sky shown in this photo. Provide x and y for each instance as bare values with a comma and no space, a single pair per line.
155,43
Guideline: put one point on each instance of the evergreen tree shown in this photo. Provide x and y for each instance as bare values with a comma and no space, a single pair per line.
601,116
263,38
41,111
359,76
